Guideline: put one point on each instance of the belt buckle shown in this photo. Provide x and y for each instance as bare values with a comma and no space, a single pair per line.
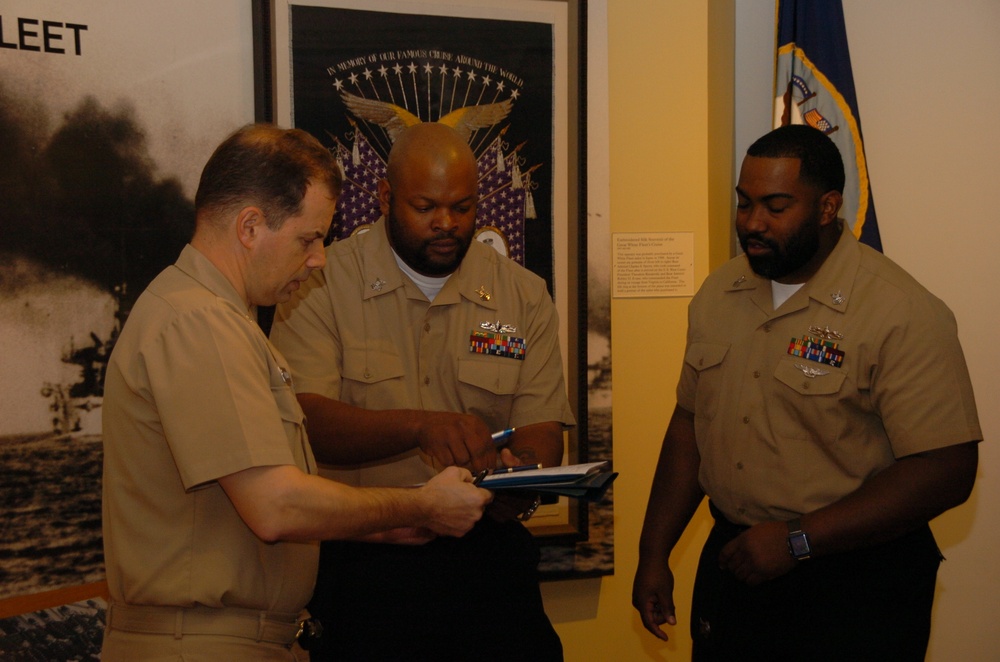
310,633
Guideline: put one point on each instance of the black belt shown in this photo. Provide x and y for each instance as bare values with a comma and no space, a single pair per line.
723,526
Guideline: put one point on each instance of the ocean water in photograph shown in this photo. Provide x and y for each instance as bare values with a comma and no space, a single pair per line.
50,534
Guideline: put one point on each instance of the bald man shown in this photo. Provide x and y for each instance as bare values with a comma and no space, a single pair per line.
379,344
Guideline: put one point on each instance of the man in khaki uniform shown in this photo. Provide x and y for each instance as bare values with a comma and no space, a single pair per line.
409,349
212,511
825,408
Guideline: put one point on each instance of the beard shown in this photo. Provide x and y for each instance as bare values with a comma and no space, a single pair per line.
418,252
785,258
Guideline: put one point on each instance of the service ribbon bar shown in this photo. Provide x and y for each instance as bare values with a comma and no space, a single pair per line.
814,349
497,344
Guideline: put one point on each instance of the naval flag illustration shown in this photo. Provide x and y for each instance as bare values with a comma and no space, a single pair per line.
505,199
814,85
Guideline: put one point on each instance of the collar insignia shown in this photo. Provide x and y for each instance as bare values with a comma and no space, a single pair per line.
378,284
483,294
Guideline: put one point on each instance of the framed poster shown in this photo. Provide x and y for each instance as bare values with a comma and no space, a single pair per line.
509,72
108,111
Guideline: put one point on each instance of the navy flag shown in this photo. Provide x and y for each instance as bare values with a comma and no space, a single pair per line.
814,85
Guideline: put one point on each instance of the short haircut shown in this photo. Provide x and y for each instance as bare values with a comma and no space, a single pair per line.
265,166
820,163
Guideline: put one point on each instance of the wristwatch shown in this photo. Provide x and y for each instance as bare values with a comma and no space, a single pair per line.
798,541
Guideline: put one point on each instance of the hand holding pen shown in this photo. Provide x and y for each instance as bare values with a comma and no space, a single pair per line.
511,505
454,439
500,438
503,470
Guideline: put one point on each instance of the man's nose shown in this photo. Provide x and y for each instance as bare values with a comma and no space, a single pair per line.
754,219
444,220
316,258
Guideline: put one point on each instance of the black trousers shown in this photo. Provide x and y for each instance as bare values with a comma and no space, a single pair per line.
871,604
470,598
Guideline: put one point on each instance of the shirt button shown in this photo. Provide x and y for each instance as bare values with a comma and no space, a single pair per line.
367,374
767,328
427,381
746,419
756,374
427,326
805,386
739,465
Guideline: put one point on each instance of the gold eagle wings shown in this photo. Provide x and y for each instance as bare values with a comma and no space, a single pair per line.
394,118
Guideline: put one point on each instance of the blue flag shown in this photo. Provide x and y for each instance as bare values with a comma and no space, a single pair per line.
814,85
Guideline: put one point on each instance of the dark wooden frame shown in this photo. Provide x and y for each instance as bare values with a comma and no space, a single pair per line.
576,530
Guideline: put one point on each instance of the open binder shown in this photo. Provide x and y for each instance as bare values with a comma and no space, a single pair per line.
580,481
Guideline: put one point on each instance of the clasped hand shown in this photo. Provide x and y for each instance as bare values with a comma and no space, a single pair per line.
453,439
758,554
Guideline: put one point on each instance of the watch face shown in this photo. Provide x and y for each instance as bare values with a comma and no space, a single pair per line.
799,545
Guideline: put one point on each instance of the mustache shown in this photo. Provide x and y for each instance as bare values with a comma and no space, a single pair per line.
450,235
760,239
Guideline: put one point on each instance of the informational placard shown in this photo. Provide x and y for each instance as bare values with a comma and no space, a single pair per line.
652,264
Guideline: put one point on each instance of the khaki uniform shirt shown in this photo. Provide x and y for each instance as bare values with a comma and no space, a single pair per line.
194,392
780,434
360,331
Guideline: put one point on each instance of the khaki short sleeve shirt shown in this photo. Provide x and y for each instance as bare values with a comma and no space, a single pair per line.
194,392
797,407
361,332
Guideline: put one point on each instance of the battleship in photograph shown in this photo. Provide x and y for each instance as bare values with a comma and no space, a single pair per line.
52,478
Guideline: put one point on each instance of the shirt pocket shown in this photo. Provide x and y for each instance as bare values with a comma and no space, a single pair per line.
487,387
371,367
293,419
810,407
707,360
797,379
498,377
373,380
284,394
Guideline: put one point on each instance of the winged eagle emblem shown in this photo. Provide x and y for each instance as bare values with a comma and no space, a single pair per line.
395,118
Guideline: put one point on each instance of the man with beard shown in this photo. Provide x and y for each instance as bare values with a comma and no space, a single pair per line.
823,458
381,345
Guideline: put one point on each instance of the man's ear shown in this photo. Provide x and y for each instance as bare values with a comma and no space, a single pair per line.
249,223
384,194
829,204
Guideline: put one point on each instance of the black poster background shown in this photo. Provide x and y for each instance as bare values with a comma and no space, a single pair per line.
323,38
330,43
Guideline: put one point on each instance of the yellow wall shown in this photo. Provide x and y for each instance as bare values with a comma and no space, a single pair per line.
670,79
934,180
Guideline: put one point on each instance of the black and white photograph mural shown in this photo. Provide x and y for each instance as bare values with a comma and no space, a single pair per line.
107,113
108,110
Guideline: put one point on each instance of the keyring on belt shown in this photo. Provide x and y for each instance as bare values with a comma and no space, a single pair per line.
526,515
